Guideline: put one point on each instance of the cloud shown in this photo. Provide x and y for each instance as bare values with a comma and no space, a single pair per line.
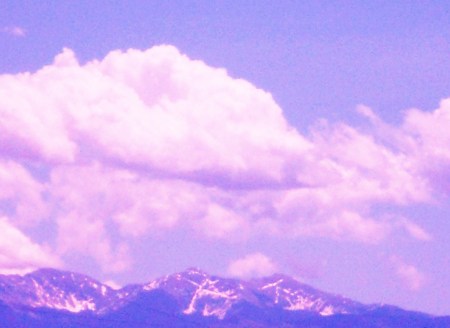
423,141
21,195
252,266
18,254
88,236
408,274
221,222
143,142
414,230
141,109
427,139
15,31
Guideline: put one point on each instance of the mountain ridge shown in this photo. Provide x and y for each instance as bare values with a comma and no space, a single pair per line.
191,297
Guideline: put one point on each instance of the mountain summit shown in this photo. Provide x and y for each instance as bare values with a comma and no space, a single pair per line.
53,298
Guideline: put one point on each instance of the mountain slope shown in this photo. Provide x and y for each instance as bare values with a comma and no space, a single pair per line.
193,298
196,291
54,289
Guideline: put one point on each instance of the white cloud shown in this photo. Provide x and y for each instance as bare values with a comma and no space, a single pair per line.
18,254
141,108
251,266
427,139
408,274
21,195
414,230
221,222
88,236
146,141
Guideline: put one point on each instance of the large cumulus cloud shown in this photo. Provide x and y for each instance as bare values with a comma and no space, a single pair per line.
146,141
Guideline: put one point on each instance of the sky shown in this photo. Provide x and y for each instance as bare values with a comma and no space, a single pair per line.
140,138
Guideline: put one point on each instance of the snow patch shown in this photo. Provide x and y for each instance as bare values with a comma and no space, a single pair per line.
274,284
71,304
152,285
328,310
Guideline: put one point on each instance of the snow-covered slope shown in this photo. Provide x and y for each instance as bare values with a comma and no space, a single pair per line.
198,292
192,292
292,295
55,289
51,298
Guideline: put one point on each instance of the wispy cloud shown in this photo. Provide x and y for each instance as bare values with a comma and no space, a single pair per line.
15,31
252,265
408,274
18,254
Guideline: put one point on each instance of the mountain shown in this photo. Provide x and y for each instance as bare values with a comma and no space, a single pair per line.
193,298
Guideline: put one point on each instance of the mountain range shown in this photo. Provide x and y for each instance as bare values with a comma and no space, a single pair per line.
193,298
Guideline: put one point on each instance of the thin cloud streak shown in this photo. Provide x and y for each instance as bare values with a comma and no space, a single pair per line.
15,31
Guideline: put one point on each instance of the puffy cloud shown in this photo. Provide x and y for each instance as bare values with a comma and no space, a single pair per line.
131,142
427,139
141,108
408,274
368,169
142,142
251,266
18,254
423,141
88,236
221,222
135,203
21,195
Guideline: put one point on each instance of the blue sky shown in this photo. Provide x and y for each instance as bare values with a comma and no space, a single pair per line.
146,162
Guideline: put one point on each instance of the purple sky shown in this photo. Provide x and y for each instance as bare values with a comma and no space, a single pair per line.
143,137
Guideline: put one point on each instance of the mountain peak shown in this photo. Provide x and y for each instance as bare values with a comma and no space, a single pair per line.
189,295
55,289
195,271
277,277
55,273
